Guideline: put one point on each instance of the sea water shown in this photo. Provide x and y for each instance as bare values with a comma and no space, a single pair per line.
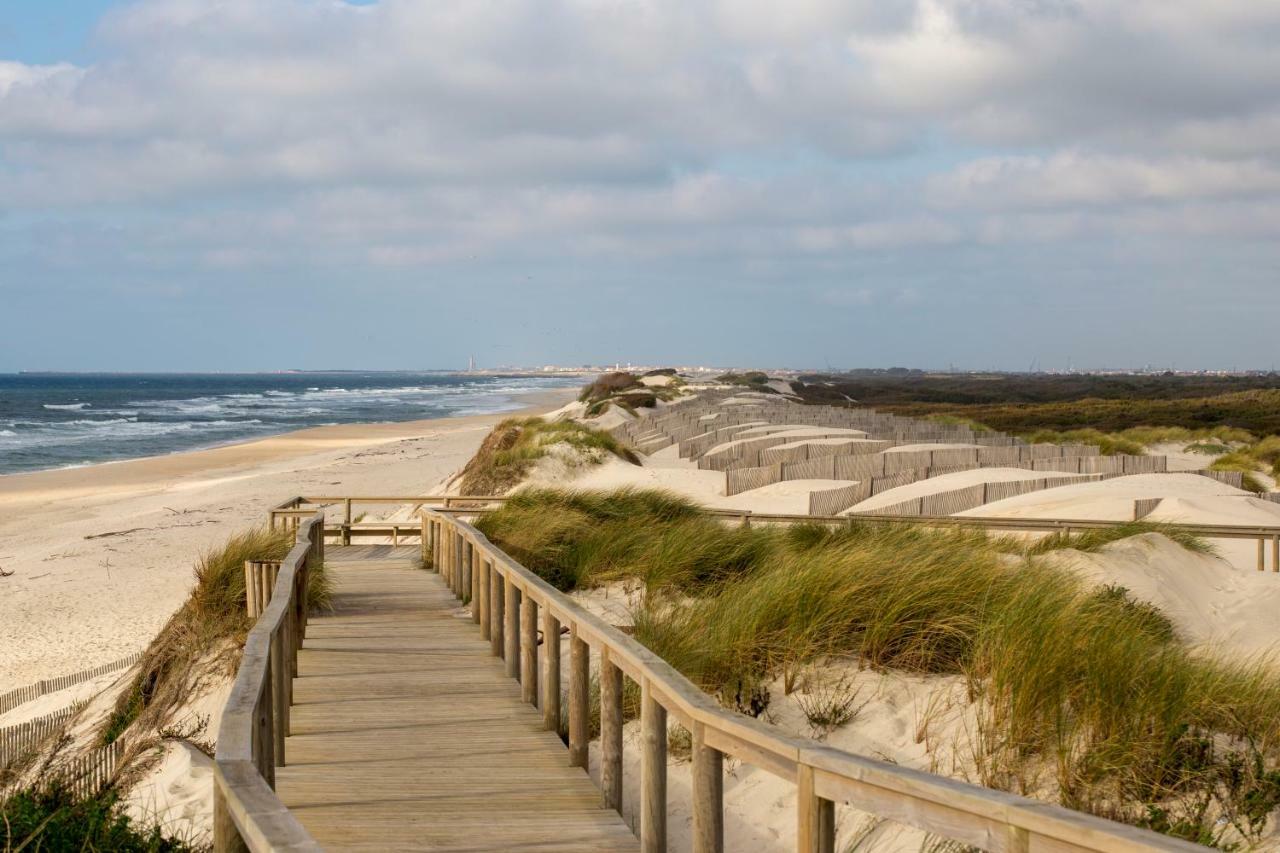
61,420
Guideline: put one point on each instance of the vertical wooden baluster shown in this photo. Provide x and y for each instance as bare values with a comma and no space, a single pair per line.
249,587
610,732
497,617
1262,554
653,772
346,519
529,650
473,561
579,699
550,671
815,823
459,551
708,794
266,730
464,559
511,630
483,588
279,709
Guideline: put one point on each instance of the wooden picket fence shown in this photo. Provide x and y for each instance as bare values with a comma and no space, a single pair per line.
16,741
23,695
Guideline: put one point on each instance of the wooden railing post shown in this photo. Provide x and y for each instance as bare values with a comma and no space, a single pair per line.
460,565
610,732
511,629
279,697
708,794
251,590
816,818
264,743
473,575
497,619
481,607
653,772
550,671
346,522
226,837
529,650
579,700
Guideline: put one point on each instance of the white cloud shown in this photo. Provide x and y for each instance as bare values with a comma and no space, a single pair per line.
751,135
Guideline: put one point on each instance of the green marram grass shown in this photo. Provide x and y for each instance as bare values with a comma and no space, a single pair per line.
515,444
1083,688
212,623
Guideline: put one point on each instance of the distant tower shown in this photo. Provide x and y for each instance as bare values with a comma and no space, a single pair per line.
471,364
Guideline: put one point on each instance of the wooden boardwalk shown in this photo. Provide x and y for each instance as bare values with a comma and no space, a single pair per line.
406,735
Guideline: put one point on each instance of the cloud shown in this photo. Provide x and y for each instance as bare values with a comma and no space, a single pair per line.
721,140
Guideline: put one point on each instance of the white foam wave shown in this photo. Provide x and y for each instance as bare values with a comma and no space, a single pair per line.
66,407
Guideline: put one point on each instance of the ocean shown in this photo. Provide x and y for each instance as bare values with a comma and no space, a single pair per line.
62,420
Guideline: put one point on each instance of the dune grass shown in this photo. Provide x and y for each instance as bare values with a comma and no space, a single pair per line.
1083,685
1248,466
210,624
52,819
1093,540
515,444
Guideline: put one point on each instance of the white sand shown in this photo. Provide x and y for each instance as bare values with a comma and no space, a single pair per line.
1188,498
1106,499
102,555
1213,604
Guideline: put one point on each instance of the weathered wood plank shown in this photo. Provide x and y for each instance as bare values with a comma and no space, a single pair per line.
406,734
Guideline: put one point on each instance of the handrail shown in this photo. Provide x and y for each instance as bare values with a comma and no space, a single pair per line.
508,602
290,511
247,814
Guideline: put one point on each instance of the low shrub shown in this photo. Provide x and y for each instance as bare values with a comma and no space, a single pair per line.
509,451
212,622
53,819
609,385
753,379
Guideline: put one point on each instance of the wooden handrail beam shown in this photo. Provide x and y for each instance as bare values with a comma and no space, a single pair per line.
993,820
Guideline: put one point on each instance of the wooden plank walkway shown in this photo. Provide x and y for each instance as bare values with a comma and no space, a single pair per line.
406,735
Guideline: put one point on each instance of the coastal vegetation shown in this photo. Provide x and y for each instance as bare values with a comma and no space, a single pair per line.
515,444
1256,412
204,637
630,392
754,379
1085,694
54,820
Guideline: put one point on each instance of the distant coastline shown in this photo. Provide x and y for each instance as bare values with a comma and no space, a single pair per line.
51,421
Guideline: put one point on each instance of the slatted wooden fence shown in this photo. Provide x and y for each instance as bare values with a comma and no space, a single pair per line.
18,740
14,698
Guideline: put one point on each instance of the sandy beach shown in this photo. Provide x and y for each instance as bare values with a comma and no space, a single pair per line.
101,555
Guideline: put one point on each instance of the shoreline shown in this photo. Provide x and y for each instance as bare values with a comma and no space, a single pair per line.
103,554
246,452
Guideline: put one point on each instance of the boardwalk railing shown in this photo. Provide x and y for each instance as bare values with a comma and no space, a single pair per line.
468,505
247,815
292,511
511,604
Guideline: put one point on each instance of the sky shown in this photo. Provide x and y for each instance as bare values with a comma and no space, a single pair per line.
250,185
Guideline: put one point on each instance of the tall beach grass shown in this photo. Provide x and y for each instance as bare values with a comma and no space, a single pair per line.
1085,694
